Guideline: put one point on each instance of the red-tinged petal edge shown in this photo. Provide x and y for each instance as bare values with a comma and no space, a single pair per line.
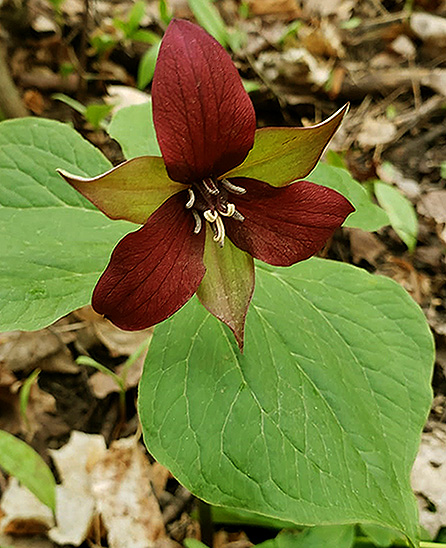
204,119
285,225
154,271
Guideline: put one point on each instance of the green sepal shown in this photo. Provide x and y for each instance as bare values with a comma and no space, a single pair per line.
228,284
283,155
131,191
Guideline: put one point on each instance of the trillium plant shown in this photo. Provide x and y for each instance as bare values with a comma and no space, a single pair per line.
292,396
202,193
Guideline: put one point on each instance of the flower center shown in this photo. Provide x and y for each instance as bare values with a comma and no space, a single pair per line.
209,200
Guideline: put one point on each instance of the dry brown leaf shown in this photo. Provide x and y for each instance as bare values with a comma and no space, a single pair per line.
365,245
287,8
121,484
433,205
376,131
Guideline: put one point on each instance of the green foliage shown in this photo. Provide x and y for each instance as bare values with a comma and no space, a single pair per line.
380,536
164,11
25,393
95,114
329,536
208,16
401,212
368,216
21,461
54,244
310,425
146,66
133,128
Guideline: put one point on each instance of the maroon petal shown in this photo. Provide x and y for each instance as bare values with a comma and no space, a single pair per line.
154,271
204,119
285,225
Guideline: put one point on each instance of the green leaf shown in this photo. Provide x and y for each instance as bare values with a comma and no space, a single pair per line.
400,211
146,67
133,128
318,421
21,461
208,16
283,155
135,17
381,536
193,543
25,393
368,216
224,515
328,536
73,103
53,242
95,115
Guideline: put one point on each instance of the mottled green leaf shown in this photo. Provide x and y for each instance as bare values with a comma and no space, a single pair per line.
53,242
318,421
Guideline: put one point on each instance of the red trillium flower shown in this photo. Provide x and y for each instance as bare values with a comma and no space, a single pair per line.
221,195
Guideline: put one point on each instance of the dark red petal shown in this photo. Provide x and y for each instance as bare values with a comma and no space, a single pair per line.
154,271
285,225
204,119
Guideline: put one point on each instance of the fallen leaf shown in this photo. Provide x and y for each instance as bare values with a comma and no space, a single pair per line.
433,205
429,478
365,245
23,513
129,509
429,27
376,131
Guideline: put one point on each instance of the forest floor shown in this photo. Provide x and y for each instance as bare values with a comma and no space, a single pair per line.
302,60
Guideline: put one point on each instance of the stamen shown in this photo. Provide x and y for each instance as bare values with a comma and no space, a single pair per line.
191,200
210,186
237,216
232,188
210,216
230,210
219,232
198,222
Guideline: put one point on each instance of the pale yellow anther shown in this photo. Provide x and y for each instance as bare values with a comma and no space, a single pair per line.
191,200
230,210
210,216
219,235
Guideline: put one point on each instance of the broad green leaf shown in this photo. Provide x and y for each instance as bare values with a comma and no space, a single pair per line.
400,211
146,66
21,461
326,536
283,155
227,286
208,16
368,216
131,191
193,543
54,244
224,515
318,421
381,536
133,128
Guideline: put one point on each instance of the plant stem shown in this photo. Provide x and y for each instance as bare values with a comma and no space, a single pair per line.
425,544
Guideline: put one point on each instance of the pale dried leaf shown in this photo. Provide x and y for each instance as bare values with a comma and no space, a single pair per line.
23,513
74,516
102,384
404,46
75,460
121,484
429,27
429,479
376,131
433,205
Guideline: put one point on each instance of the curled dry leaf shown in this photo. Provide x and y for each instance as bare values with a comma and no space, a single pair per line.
121,484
